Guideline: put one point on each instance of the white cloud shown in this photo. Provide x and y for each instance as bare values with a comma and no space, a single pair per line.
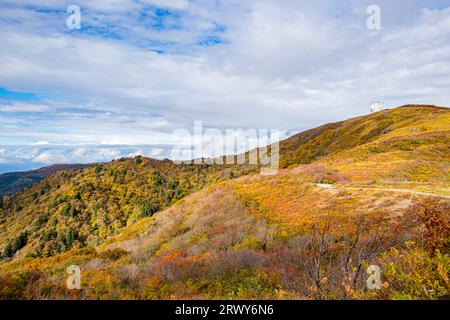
48,157
77,154
25,107
282,64
42,143
172,4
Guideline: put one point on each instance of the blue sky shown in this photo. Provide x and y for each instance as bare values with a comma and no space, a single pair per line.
139,69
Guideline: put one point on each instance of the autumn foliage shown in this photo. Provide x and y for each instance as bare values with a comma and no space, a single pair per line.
367,191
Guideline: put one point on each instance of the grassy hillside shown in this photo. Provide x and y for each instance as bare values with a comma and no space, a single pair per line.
369,190
409,123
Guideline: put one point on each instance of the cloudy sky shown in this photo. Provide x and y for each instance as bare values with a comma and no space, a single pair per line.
139,69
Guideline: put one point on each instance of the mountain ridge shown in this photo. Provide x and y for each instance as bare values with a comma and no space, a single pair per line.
12,182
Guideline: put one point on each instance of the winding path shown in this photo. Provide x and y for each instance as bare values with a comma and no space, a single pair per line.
332,187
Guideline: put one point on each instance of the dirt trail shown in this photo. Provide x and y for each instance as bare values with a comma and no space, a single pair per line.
330,186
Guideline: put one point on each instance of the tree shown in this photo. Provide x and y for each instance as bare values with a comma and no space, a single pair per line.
436,220
70,237
333,254
16,244
144,209
138,159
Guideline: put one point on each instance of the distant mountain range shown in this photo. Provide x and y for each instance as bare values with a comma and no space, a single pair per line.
13,182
